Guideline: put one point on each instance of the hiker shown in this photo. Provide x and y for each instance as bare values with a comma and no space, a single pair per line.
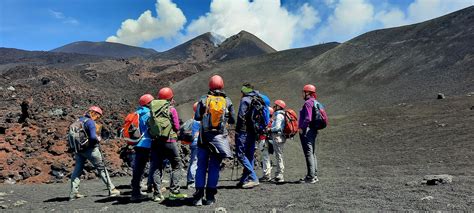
91,153
142,148
308,131
196,126
163,128
277,143
247,132
214,111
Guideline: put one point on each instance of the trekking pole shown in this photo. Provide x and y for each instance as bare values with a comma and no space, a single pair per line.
107,177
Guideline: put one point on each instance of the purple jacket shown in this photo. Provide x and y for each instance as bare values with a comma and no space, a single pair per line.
306,114
175,123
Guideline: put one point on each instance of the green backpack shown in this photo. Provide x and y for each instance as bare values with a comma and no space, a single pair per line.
160,121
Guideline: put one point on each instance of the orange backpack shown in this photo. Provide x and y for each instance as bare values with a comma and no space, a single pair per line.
131,129
291,123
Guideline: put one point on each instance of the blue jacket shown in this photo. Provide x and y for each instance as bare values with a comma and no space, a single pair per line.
89,127
144,113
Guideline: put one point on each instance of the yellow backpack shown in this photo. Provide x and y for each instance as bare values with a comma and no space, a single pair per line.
216,109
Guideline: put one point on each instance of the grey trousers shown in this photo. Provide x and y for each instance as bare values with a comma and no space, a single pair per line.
308,143
95,157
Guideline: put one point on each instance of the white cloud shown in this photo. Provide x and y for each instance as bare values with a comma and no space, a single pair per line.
267,19
350,17
169,21
354,17
60,16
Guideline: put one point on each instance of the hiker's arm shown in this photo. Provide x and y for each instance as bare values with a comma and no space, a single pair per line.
306,114
231,116
91,131
175,117
199,111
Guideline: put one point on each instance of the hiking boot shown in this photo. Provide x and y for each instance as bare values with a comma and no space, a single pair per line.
239,185
149,189
190,185
250,185
279,180
136,198
158,197
309,180
210,201
114,193
265,179
76,196
197,202
177,196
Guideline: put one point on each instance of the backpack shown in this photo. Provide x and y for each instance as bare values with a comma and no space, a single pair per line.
160,122
131,129
216,108
259,114
186,131
291,123
320,117
77,136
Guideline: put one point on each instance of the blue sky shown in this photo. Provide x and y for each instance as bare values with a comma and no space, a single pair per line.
47,24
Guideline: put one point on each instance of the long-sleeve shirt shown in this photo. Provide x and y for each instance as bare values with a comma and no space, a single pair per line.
145,141
306,114
89,127
174,124
278,123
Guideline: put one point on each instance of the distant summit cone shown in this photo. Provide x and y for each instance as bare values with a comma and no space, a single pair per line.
108,49
241,45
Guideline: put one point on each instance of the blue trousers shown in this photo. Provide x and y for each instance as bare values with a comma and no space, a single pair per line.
209,164
245,148
192,163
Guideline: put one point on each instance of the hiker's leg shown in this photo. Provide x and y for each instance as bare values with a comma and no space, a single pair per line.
76,174
279,144
250,153
141,158
95,156
267,166
156,165
175,160
240,149
192,164
308,151
202,166
214,169
313,137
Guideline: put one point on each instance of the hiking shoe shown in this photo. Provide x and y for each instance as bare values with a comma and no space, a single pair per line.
265,179
158,198
149,189
209,202
279,180
309,180
250,185
76,196
114,193
138,198
190,185
197,202
177,196
239,185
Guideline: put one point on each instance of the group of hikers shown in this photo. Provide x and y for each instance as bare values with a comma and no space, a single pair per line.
154,128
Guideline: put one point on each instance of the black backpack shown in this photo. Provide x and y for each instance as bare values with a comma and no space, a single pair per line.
258,114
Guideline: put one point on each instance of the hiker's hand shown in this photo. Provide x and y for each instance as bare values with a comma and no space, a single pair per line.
99,138
300,131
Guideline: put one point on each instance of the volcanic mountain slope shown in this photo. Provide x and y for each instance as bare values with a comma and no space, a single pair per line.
208,47
17,56
375,69
108,49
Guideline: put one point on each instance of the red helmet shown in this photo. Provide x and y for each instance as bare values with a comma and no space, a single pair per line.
271,110
280,103
195,106
96,109
309,88
145,99
165,93
216,82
